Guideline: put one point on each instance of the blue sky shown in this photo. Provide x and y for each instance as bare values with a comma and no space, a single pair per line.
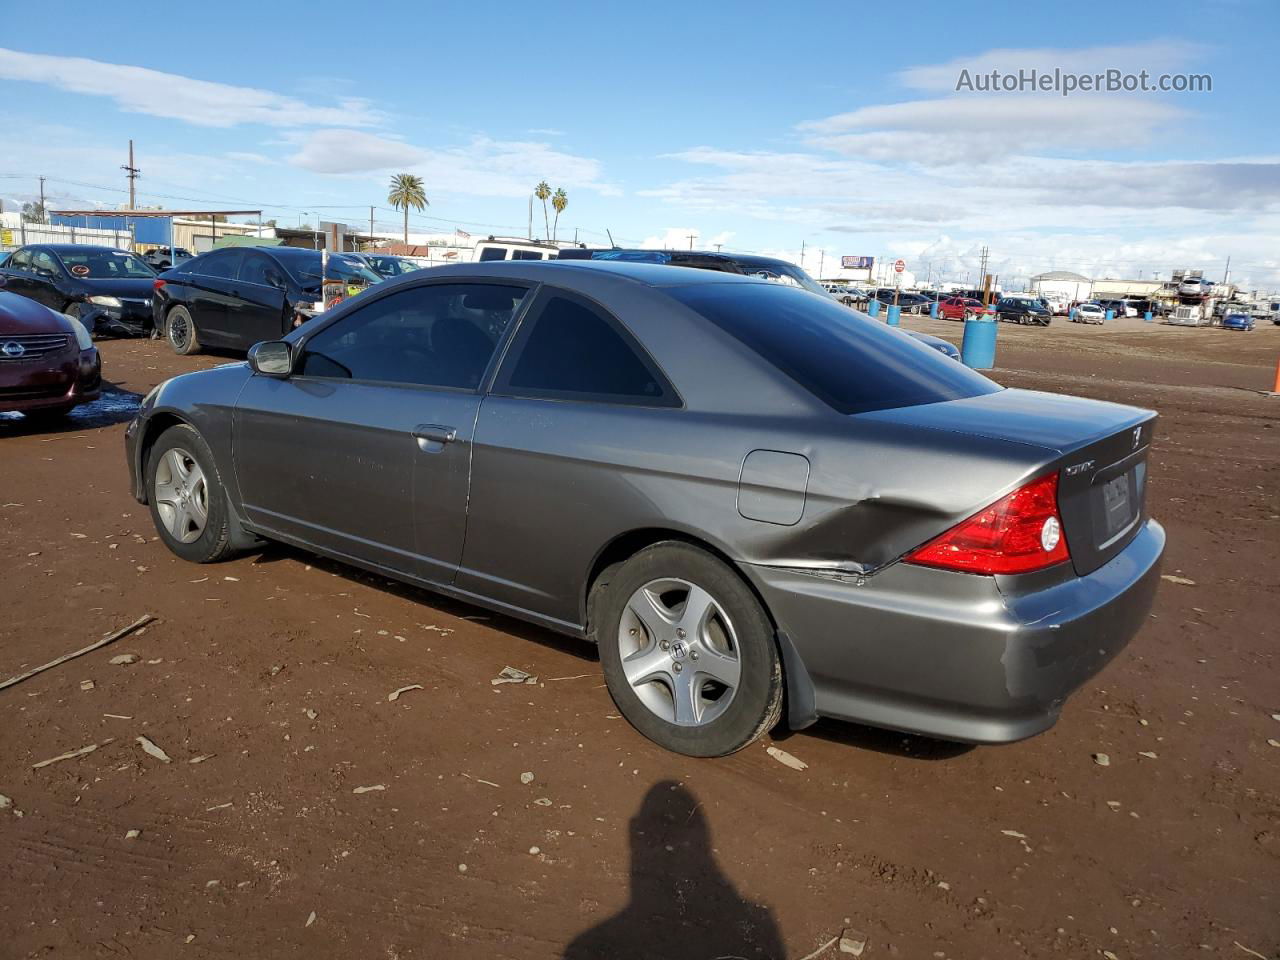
763,127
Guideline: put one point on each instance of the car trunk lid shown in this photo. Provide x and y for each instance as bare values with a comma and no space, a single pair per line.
1099,450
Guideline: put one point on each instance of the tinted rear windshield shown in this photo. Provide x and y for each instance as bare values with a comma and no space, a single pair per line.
849,361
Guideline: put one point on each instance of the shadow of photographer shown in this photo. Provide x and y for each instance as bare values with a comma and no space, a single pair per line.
682,905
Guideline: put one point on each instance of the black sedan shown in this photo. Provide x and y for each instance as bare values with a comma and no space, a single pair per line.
1024,310
107,289
735,488
234,297
908,302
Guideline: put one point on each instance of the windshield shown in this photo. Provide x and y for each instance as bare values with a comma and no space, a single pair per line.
391,266
346,269
785,273
105,265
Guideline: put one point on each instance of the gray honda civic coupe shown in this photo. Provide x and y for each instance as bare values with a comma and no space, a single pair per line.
746,495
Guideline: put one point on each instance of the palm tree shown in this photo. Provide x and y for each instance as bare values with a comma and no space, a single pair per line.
559,202
542,191
406,191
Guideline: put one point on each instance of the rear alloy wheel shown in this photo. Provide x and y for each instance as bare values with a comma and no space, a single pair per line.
688,652
73,309
180,331
188,504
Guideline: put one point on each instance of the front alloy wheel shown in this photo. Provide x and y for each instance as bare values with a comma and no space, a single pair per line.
182,495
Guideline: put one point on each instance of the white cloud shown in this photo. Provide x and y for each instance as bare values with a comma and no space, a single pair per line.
352,151
481,167
199,102
1156,56
971,129
674,238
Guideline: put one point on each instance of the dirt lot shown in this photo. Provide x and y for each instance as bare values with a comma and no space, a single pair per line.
277,668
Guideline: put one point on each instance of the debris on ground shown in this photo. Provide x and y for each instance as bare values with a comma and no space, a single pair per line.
69,755
1101,759
151,750
526,778
543,801
395,694
133,834
853,942
201,759
1182,580
86,685
376,786
311,918
795,763
109,638
221,806
1149,754
123,659
512,675
1015,834
822,949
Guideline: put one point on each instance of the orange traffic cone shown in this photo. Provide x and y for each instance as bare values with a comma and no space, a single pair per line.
1275,390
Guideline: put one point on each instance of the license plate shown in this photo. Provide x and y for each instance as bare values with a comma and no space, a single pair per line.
1115,500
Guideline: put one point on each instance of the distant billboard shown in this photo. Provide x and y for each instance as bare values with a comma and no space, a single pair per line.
857,263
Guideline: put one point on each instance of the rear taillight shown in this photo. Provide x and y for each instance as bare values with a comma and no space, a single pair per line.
1020,533
157,283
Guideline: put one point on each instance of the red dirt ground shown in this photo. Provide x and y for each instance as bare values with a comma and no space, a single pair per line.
278,666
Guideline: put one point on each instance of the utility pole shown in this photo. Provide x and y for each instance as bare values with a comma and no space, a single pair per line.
801,254
822,260
718,246
692,237
371,224
529,235
1227,272
131,172
43,216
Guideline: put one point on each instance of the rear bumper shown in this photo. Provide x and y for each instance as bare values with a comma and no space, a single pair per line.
63,383
950,655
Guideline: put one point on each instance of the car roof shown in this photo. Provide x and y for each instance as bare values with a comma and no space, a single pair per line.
77,248
550,271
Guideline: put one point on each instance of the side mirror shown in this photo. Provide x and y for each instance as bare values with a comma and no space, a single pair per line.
271,358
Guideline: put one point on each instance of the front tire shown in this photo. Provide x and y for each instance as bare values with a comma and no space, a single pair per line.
688,651
187,500
180,331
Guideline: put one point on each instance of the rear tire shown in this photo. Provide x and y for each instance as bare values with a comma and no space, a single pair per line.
180,331
702,680
187,500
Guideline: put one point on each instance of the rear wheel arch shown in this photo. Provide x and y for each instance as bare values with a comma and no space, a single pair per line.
626,545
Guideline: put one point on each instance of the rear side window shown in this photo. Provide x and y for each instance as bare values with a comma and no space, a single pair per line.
492,253
219,263
435,335
256,269
849,361
526,255
570,349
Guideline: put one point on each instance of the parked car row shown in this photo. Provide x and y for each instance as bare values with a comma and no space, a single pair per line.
229,297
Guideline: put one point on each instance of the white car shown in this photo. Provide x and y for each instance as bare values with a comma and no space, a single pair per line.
1089,313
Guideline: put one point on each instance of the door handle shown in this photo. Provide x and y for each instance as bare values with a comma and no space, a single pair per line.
435,433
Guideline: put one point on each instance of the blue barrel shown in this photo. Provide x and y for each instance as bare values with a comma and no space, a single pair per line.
873,308
893,315
933,310
1111,314
978,348
1146,317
